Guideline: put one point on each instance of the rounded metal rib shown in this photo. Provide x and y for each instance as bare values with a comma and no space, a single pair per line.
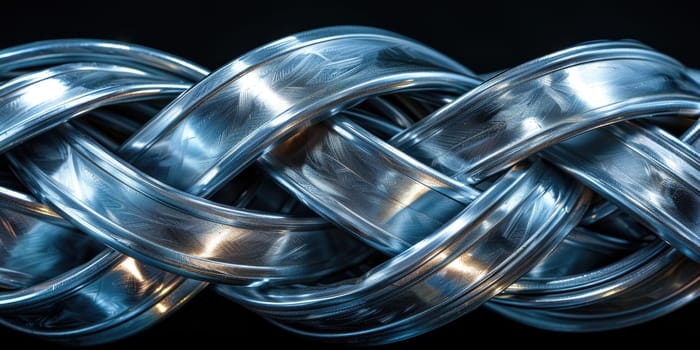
499,236
327,144
71,288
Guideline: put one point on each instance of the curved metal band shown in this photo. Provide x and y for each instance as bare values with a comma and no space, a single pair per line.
69,290
665,171
542,102
54,52
206,254
172,229
502,234
673,282
367,129
606,159
255,101
357,181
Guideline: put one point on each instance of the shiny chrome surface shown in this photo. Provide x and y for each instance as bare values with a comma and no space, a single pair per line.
346,183
545,101
172,229
256,100
64,285
653,280
326,167
468,260
187,235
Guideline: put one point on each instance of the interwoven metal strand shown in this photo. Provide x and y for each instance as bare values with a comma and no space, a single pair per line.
346,183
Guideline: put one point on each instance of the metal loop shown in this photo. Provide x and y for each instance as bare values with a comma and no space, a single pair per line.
348,184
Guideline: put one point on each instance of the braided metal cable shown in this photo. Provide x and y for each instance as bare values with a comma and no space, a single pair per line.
346,183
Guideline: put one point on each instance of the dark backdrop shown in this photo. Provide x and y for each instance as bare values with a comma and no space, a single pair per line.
484,37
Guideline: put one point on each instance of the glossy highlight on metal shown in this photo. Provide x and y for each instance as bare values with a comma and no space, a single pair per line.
348,184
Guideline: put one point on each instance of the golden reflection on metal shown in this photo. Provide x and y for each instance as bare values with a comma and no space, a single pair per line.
130,266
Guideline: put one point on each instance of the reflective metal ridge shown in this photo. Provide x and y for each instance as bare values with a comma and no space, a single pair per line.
348,184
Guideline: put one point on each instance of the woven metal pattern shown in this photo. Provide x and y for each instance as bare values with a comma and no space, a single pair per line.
346,183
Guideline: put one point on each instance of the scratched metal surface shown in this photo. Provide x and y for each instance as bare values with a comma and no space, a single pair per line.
347,183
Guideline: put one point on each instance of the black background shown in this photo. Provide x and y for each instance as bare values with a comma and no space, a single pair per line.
488,36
